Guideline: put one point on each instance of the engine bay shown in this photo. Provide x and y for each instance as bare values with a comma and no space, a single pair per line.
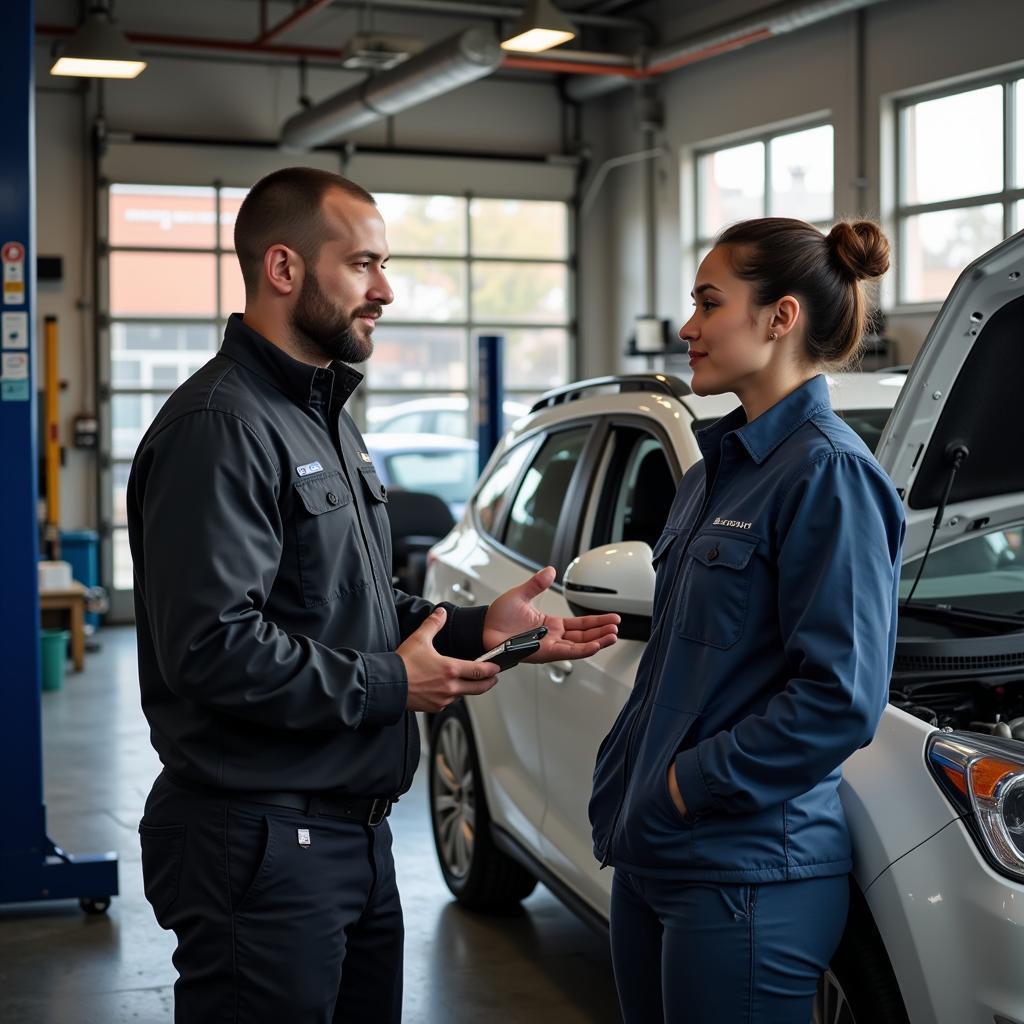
972,683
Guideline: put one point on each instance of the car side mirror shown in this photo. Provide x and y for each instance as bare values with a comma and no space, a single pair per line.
614,578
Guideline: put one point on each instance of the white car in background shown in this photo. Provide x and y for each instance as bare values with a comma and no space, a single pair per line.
935,803
442,414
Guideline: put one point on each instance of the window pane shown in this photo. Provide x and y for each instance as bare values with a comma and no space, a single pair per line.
730,187
417,357
143,355
519,227
125,371
119,482
162,284
123,578
232,288
421,225
130,417
1019,133
538,504
530,292
493,495
802,174
537,358
427,290
939,245
932,170
398,414
164,216
1019,221
230,201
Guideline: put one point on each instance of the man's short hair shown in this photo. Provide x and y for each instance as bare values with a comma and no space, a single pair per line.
286,208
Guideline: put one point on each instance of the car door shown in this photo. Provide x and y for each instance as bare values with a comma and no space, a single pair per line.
517,512
633,485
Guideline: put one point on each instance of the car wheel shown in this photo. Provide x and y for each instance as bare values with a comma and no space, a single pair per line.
479,875
859,987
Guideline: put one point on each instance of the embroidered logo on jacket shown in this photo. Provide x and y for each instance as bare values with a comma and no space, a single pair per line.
736,524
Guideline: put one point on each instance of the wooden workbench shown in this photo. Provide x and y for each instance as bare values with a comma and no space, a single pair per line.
72,601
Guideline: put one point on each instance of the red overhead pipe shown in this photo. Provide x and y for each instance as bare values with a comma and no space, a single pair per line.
518,63
291,21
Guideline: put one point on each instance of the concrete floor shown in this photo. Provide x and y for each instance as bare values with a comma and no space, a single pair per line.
58,966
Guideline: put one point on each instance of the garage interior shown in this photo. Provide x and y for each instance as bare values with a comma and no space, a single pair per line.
561,199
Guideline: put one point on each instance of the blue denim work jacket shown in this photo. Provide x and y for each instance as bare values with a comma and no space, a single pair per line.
772,645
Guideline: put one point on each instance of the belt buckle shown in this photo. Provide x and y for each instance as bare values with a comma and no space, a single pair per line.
378,811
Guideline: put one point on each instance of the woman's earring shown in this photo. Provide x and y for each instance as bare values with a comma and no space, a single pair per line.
773,336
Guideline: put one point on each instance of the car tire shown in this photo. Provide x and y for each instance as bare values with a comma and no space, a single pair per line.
479,875
860,986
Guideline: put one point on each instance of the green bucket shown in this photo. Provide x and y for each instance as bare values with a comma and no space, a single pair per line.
54,651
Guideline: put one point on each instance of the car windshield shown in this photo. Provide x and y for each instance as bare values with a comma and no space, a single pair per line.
984,572
451,475
867,423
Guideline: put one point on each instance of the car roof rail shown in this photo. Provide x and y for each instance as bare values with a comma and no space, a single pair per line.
664,383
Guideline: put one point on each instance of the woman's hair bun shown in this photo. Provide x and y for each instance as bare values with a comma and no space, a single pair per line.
858,249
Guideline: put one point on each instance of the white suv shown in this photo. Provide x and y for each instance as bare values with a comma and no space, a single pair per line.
935,803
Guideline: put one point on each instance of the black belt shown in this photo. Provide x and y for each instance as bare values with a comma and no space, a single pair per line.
366,810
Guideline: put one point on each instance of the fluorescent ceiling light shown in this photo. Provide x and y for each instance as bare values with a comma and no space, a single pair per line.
98,50
540,27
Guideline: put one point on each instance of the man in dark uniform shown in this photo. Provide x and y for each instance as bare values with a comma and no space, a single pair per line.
279,668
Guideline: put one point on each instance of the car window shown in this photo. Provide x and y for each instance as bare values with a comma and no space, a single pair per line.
983,571
535,512
637,490
493,494
451,423
407,423
448,474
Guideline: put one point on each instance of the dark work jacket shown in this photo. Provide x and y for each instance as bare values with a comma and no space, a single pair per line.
267,622
774,632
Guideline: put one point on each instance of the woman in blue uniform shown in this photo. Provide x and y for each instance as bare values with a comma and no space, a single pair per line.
715,793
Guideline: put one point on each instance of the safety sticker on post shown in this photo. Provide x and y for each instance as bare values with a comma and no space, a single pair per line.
13,254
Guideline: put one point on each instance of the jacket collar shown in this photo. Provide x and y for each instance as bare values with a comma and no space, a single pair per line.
761,436
305,384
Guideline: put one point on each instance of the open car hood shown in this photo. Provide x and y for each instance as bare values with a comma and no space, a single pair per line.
966,386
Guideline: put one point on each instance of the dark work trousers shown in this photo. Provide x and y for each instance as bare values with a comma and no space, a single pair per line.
271,930
709,953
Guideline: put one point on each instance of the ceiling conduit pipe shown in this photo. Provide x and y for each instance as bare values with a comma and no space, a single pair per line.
454,62
752,28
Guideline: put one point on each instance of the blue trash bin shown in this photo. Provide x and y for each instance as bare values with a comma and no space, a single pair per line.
82,549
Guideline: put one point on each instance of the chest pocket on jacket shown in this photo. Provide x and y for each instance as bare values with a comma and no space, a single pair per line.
324,525
715,595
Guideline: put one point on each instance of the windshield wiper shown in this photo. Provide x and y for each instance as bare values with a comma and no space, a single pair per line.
952,612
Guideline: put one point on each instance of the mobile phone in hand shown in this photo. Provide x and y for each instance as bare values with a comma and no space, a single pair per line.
515,648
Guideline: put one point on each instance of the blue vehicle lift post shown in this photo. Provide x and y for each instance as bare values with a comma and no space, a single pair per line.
32,867
490,409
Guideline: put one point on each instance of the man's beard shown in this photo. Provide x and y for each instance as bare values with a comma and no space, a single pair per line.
328,331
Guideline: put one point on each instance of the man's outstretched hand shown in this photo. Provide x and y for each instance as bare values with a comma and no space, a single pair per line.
568,639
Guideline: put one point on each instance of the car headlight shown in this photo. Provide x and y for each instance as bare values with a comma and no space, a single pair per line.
984,779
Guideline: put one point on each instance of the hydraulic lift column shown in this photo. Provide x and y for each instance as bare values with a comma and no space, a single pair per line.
31,866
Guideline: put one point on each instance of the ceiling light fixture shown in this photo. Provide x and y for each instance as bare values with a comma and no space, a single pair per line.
98,49
540,27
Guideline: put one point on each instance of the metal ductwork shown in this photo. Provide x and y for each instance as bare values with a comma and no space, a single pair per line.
752,28
449,64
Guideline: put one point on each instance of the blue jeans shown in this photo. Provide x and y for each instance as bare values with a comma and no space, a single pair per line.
705,953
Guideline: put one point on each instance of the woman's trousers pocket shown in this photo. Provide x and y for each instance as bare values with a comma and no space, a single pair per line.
163,848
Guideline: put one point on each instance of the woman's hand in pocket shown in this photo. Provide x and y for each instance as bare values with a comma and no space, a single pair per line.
673,789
